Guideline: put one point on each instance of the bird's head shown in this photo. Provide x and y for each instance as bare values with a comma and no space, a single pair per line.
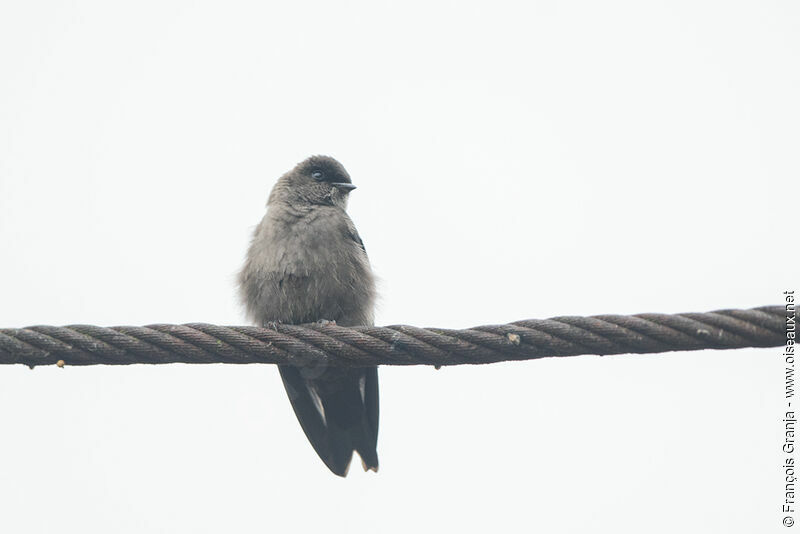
318,180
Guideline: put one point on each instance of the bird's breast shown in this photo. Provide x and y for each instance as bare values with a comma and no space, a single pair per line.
307,269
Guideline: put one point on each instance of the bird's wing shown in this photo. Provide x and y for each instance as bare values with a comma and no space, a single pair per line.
353,233
371,409
308,408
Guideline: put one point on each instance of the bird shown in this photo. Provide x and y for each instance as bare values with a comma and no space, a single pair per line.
306,263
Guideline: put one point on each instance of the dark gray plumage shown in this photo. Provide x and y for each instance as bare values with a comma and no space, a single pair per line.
306,263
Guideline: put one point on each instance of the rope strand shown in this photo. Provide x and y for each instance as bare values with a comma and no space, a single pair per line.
321,344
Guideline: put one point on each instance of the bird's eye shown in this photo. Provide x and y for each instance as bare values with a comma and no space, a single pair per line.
317,175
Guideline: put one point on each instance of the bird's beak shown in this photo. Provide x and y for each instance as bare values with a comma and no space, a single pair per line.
344,186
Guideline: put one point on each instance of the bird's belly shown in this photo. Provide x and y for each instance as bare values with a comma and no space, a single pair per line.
313,290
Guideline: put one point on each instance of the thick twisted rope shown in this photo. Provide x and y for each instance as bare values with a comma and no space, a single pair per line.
329,344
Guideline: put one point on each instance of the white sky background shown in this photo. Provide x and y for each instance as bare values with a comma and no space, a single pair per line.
512,160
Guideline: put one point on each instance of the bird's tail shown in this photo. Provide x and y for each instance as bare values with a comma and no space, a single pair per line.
338,412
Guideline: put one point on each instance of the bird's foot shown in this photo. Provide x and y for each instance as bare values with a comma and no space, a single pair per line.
325,322
272,324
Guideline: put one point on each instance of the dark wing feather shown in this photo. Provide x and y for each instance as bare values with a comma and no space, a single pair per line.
368,449
354,235
337,459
